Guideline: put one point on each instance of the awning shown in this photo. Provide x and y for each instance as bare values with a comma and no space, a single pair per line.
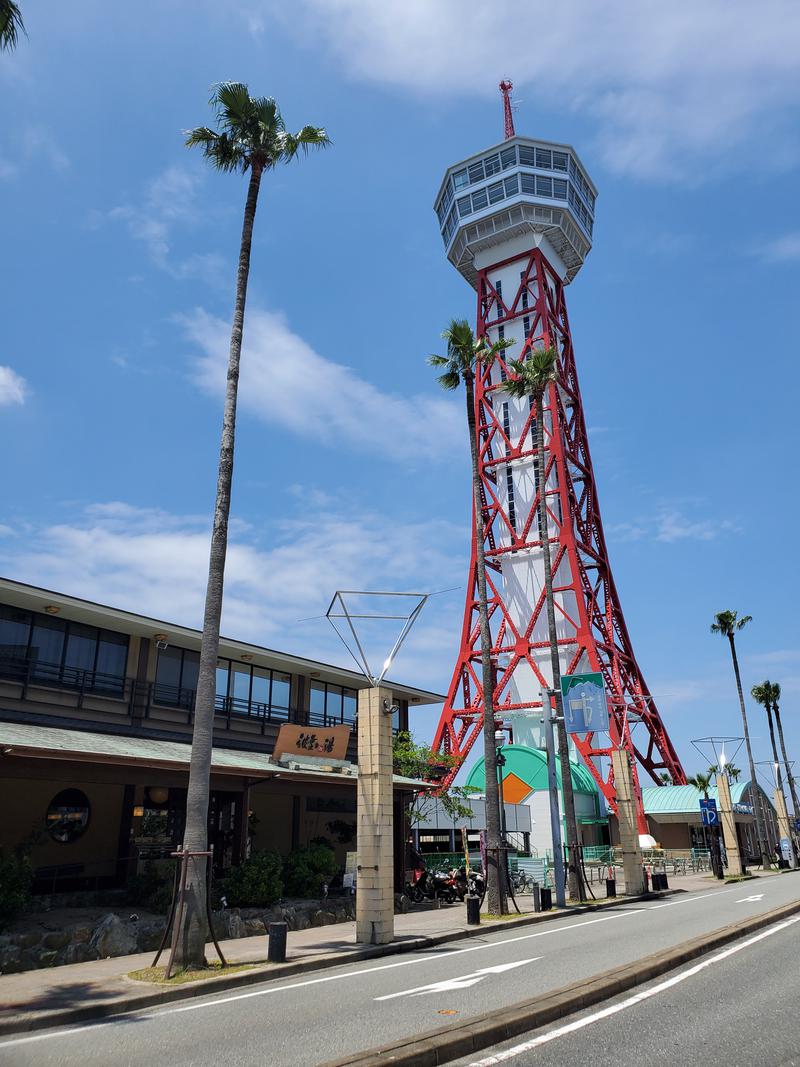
49,742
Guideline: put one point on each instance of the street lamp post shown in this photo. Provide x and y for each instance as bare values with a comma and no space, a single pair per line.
500,761
548,722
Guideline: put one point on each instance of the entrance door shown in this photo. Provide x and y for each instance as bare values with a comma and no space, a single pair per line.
223,814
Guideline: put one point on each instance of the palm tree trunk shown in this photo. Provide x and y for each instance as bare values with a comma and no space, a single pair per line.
758,810
574,881
777,762
194,928
789,776
496,901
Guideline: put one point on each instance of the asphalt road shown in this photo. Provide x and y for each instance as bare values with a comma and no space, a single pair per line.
737,1006
320,1017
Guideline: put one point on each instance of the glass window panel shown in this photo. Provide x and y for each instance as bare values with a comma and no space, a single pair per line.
560,161
260,693
475,173
464,206
544,158
508,157
168,675
559,188
496,192
47,641
460,179
512,185
281,689
492,165
15,629
544,186
479,200
191,669
440,209
81,647
526,156
240,682
334,707
112,653
317,697
350,701
223,667
528,183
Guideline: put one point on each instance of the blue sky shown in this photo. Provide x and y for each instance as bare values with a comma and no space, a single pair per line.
119,250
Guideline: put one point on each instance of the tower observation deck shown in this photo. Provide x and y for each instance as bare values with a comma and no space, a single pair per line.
517,222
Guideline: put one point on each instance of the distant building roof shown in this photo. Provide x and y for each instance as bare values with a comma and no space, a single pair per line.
673,799
530,766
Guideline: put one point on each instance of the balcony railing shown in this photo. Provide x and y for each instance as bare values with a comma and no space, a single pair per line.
142,700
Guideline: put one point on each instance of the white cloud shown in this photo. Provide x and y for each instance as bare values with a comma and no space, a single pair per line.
673,88
13,388
153,562
783,249
170,203
670,524
285,381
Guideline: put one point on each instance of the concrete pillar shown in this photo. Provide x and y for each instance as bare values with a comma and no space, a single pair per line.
783,824
728,821
375,879
627,822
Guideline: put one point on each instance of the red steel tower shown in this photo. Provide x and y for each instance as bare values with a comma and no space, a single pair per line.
517,223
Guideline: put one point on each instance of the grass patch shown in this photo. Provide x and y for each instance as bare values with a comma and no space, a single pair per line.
739,878
214,970
503,918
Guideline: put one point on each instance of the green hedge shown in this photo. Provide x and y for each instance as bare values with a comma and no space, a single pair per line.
16,882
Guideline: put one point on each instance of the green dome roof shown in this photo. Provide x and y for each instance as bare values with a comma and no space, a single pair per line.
530,765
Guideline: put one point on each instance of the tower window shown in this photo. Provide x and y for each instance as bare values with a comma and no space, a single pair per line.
479,200
492,164
526,155
512,512
560,161
496,192
528,183
475,173
460,179
508,157
512,185
544,158
526,325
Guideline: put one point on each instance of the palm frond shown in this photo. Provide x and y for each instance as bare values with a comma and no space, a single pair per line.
293,143
11,25
437,361
450,380
741,623
233,106
219,149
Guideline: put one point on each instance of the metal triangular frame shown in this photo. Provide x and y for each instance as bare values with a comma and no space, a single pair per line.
359,655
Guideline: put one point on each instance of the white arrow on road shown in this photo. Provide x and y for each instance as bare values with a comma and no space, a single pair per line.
746,900
464,982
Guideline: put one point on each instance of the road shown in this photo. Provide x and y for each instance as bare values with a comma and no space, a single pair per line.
320,1017
737,1007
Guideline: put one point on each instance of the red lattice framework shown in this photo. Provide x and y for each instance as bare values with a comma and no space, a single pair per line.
597,637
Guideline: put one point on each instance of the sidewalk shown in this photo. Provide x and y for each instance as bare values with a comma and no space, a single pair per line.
59,995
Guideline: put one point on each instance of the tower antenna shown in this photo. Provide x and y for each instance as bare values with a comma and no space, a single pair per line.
505,88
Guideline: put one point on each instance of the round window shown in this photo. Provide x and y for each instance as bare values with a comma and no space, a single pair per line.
68,815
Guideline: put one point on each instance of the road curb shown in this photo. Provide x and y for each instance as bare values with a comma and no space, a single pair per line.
443,1045
138,1000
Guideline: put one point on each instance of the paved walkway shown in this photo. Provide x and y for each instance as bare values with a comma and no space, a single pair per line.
34,999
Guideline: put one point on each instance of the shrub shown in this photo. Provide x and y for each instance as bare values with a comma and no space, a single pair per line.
306,869
151,887
16,882
255,883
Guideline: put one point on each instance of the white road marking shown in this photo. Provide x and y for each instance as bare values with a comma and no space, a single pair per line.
464,982
198,1005
637,998
746,900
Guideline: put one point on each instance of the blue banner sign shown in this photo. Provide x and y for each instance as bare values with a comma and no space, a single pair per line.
583,697
709,816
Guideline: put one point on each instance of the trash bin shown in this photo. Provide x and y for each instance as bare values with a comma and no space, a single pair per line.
611,887
276,951
546,898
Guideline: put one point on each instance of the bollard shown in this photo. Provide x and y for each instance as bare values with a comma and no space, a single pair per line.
611,887
276,951
664,881
473,910
546,898
537,897
645,880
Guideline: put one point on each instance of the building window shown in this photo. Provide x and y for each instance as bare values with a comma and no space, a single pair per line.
61,653
479,200
475,173
464,206
528,183
68,816
501,336
512,512
544,186
331,704
500,309
508,157
560,161
526,155
560,188
492,165
460,179
511,185
526,325
544,158
495,192
251,691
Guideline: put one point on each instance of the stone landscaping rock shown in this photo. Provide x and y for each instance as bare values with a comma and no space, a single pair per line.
323,918
113,938
81,934
56,940
254,927
77,952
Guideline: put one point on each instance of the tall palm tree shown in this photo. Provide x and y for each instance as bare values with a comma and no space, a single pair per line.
251,137
533,377
762,694
466,356
728,624
11,25
776,696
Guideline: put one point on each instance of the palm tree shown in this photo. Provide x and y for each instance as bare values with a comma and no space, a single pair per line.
728,624
466,356
11,25
776,696
703,783
251,137
762,694
533,377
